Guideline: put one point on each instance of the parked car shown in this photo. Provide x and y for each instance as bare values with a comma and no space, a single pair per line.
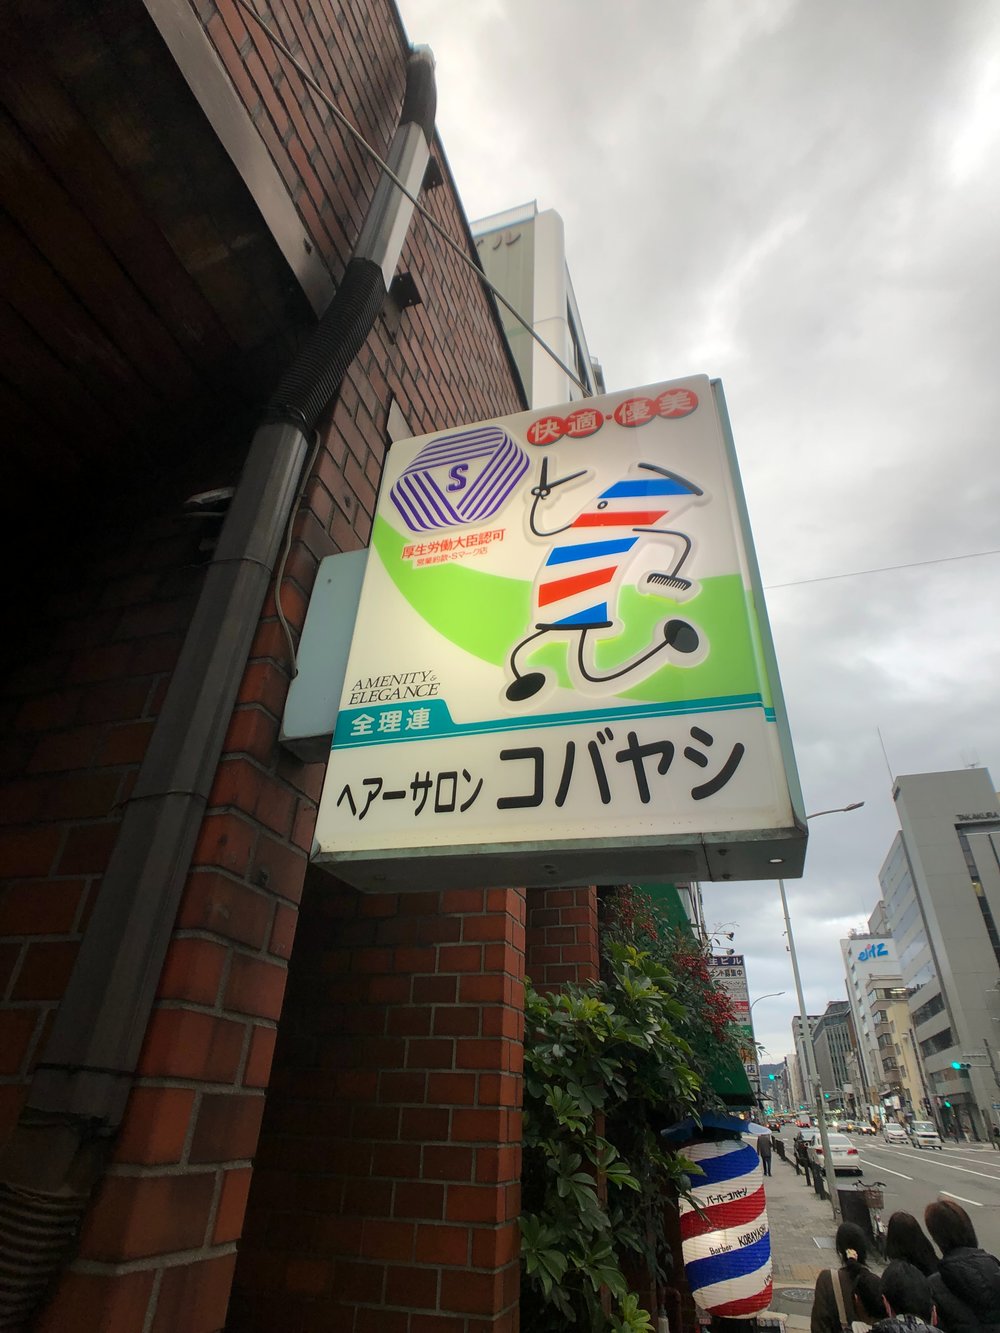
842,1151
894,1133
802,1123
924,1135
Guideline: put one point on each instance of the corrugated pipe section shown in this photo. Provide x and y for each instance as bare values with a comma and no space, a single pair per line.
57,1154
38,1234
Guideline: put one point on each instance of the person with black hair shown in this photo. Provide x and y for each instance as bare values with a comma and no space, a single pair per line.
905,1239
834,1308
868,1307
906,1295
966,1287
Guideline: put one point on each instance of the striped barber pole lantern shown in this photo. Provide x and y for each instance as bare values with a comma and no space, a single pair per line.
727,1244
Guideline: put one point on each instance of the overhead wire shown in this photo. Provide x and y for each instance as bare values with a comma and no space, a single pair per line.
432,222
880,569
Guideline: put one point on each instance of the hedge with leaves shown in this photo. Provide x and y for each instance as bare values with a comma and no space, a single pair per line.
606,1067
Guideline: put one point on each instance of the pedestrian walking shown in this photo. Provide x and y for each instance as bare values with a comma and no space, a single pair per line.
966,1287
905,1240
834,1305
764,1147
995,1137
906,1295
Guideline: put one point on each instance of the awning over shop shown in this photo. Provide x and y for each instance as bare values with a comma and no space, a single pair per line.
728,1076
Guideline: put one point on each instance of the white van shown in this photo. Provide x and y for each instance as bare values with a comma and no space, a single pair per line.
924,1135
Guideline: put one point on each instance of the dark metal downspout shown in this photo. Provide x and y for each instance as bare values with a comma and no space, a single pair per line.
57,1153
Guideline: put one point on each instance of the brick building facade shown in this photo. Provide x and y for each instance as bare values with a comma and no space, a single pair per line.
321,1129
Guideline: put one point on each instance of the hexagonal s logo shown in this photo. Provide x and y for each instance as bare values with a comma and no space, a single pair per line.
458,479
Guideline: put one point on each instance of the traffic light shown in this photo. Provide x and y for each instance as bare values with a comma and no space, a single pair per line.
960,1064
948,1104
826,1096
771,1077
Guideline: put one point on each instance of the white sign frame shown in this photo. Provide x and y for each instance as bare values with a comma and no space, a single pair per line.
546,602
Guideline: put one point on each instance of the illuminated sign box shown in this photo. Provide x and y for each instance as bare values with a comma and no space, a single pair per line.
561,670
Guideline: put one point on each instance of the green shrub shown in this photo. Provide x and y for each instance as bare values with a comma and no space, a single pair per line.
607,1066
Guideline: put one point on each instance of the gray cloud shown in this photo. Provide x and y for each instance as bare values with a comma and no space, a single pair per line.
801,199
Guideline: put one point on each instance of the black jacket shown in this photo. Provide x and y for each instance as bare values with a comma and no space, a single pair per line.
966,1291
902,1323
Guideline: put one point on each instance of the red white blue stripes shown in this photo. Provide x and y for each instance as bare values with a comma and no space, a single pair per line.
582,567
726,1240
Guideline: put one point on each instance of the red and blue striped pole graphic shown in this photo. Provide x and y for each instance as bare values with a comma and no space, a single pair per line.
589,556
726,1241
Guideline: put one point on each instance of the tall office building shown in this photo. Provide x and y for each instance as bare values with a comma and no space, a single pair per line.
866,956
941,887
833,1040
795,1084
523,253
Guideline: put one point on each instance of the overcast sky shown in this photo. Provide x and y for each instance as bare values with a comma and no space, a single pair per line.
802,199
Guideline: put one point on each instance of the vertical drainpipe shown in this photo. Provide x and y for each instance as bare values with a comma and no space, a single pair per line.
75,1105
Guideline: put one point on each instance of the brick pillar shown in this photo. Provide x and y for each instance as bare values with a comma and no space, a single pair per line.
561,937
387,1183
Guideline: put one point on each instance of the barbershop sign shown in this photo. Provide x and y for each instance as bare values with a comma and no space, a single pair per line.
561,663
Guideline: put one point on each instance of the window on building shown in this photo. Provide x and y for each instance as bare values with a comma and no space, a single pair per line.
933,1006
939,1043
977,887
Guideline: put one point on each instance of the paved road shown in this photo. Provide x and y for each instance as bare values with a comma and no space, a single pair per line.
915,1176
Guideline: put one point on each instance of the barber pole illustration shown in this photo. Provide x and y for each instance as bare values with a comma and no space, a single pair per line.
726,1240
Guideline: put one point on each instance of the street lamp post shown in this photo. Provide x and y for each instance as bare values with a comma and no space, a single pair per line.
807,1046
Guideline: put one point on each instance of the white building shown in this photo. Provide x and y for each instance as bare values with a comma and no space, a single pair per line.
941,887
523,253
866,957
804,1062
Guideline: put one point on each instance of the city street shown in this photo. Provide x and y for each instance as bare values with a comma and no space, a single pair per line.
967,1173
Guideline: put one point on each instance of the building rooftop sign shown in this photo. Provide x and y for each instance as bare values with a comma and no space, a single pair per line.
561,664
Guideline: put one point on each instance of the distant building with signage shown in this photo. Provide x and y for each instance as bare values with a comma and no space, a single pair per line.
866,956
523,253
941,887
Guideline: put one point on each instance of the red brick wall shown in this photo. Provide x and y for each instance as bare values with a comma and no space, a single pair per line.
387,1183
79,713
562,943
158,1245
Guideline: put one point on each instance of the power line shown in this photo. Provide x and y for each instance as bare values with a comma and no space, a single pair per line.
881,569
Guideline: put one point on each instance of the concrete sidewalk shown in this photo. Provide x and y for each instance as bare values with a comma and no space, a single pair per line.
802,1232
799,1219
